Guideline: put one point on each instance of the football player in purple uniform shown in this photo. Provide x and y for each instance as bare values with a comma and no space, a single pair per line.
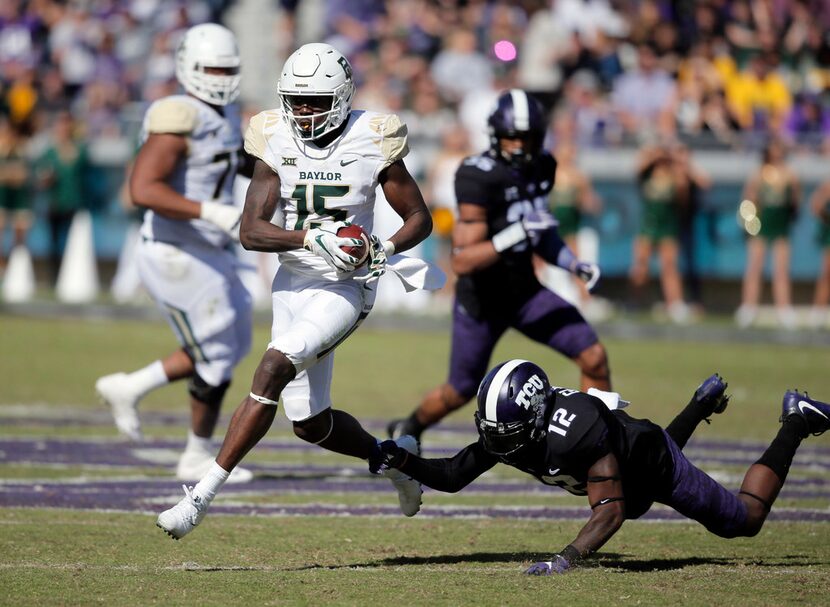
502,221
587,446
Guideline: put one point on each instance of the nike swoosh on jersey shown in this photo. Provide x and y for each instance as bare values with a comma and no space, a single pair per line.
344,163
803,404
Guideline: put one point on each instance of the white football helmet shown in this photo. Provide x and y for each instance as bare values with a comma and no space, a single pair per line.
316,70
209,46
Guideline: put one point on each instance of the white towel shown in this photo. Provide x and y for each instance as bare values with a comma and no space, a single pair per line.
612,400
416,273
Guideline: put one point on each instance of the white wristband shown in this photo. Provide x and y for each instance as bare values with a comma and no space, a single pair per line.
389,248
509,237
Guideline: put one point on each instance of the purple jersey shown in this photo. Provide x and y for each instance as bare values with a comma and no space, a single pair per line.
506,194
581,430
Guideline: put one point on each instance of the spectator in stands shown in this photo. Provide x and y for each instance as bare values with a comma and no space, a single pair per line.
771,198
62,171
808,123
586,111
641,100
460,68
820,206
542,46
718,125
664,190
742,32
15,200
759,97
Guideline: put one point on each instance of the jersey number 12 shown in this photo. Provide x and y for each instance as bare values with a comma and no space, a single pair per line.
560,421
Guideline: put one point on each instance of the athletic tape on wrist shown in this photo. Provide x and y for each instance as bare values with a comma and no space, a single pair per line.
509,237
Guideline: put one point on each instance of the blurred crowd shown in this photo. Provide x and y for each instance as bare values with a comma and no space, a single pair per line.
679,74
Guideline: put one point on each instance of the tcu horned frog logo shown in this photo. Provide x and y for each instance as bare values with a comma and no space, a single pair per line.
531,394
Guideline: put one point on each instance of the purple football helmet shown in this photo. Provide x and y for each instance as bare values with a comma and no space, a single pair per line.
512,402
517,115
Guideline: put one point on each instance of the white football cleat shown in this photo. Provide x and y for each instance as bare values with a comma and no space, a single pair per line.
409,490
182,518
195,463
115,390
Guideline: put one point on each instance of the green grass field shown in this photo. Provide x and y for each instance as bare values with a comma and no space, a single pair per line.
447,555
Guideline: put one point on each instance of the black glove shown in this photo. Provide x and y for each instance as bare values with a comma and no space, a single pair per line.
388,455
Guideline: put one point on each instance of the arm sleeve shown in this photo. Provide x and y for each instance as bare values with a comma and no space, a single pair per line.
450,474
551,248
171,116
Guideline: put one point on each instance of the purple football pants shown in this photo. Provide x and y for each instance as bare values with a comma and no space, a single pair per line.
698,496
545,318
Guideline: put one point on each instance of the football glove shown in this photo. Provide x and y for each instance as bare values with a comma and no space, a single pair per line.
559,564
325,243
389,455
376,266
224,216
587,272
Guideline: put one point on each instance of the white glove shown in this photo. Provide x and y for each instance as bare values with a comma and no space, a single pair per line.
325,242
224,216
378,256
588,272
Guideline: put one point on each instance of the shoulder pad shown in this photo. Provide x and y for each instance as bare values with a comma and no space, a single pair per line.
171,115
393,137
256,136
479,162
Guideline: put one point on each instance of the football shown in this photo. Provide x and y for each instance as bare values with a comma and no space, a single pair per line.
361,252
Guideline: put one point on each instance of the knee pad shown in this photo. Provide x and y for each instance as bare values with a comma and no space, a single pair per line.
204,392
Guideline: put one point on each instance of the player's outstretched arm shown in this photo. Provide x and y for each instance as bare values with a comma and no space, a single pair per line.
405,198
605,495
447,474
256,232
553,249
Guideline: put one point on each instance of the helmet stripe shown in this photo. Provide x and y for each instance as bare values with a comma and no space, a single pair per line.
521,110
491,404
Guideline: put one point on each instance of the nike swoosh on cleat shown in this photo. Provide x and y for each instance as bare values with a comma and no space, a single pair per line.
344,163
802,404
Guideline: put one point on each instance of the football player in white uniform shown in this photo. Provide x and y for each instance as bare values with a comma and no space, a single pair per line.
319,164
183,176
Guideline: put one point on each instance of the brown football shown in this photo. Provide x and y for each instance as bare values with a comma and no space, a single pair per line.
355,231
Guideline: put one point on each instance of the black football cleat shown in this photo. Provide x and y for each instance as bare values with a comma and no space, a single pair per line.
711,395
814,412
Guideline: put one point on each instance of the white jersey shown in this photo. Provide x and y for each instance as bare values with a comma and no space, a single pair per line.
214,141
321,185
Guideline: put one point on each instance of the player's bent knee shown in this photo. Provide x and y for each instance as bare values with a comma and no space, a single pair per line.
452,398
272,374
205,393
314,429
